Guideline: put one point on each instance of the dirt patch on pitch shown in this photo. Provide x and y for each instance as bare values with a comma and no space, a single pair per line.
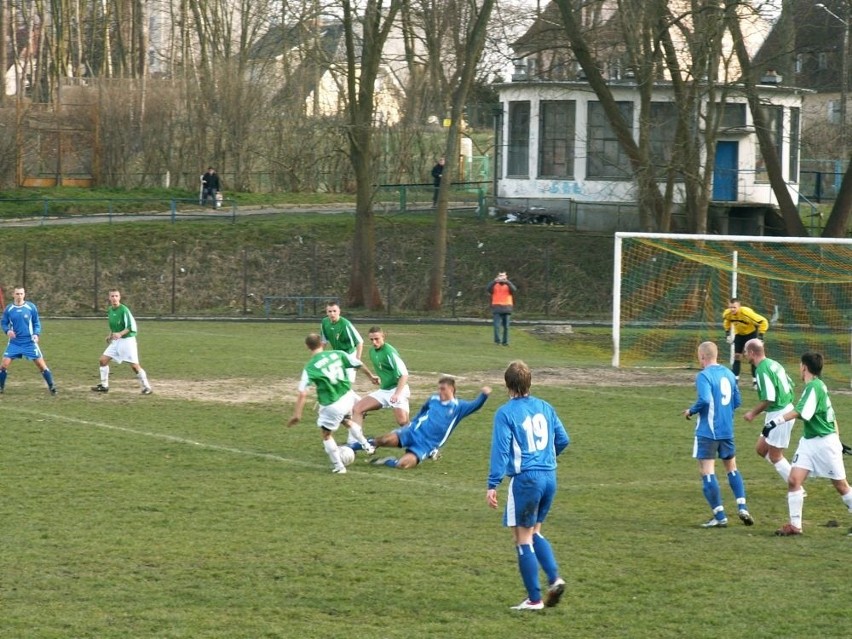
247,391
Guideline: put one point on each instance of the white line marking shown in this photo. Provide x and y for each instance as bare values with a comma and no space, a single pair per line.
429,481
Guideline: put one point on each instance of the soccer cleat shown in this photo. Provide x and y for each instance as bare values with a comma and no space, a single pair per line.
754,384
745,517
340,470
526,604
716,523
435,455
554,593
788,530
100,388
53,390
381,461
147,390
369,448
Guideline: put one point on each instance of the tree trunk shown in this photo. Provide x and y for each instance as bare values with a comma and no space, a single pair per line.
473,44
838,220
789,211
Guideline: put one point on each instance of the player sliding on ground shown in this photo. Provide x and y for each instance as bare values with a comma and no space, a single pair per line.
431,428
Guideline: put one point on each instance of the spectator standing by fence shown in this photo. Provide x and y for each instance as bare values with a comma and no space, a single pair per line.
210,186
437,174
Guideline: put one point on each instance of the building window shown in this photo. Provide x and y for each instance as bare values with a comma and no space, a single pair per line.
833,111
606,159
519,140
774,116
794,145
733,116
556,138
800,63
662,132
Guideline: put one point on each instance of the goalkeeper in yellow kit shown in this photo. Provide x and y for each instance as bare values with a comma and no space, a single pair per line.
742,324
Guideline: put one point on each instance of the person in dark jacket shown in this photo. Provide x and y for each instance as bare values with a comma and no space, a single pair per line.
437,172
209,186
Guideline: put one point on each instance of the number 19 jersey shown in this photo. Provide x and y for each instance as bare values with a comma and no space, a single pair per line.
528,435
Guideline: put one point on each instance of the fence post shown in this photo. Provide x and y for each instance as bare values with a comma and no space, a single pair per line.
173,209
480,202
403,198
45,210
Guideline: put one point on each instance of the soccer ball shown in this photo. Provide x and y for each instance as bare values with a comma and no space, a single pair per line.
347,455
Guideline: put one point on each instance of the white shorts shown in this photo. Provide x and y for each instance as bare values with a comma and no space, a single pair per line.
329,417
123,350
779,437
383,397
822,456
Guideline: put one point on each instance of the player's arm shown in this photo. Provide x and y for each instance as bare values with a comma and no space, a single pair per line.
400,367
36,324
301,399
703,400
501,439
757,410
400,385
468,407
370,374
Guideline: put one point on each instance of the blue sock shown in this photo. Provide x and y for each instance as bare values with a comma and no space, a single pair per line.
356,446
544,553
48,377
735,480
390,462
2,377
713,495
528,566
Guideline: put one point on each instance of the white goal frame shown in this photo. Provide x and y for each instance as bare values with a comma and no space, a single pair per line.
754,239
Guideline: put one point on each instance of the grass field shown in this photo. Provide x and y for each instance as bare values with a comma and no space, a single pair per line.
193,513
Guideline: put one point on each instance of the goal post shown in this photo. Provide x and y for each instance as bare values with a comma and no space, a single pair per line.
670,290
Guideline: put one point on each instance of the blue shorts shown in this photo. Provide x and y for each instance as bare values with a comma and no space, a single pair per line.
29,350
530,496
706,448
414,444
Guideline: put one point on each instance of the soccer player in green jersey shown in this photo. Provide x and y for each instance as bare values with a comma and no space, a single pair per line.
121,344
820,452
326,370
775,392
339,333
392,377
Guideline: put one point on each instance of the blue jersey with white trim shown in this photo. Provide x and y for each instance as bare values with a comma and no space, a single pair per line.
528,435
23,320
437,420
718,398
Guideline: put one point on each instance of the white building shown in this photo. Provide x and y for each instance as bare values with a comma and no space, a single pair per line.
558,150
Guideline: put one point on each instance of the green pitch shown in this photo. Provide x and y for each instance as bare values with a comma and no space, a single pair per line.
194,513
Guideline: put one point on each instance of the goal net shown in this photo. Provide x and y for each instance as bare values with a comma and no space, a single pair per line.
670,290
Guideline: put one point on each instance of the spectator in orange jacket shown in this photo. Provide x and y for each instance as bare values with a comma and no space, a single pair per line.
502,302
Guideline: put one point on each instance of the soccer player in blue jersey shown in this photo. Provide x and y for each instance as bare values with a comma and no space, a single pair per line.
718,398
431,427
527,437
21,324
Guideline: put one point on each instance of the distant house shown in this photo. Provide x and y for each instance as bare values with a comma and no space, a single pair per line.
807,46
558,149
306,63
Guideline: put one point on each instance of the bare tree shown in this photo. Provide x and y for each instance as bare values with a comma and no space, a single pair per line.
362,70
789,211
469,40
